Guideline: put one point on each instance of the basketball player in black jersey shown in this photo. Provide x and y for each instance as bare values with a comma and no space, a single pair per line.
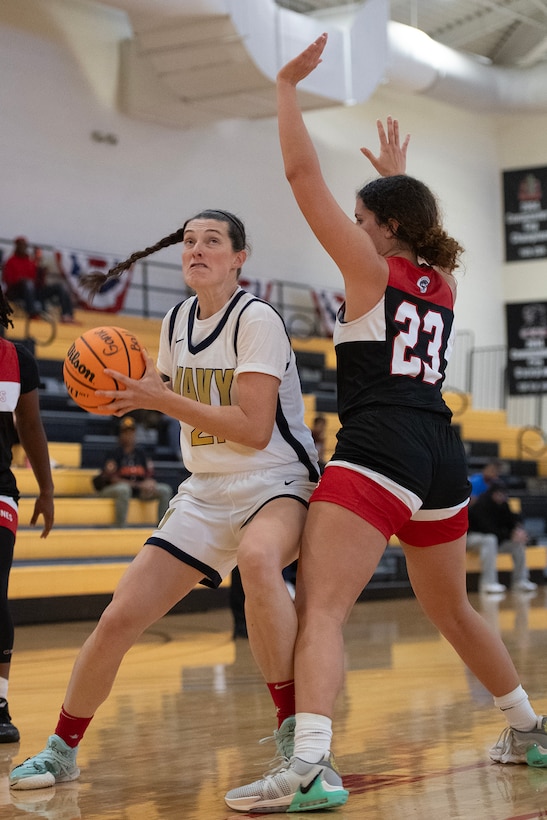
399,467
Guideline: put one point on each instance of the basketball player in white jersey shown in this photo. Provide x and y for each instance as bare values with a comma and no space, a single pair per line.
228,373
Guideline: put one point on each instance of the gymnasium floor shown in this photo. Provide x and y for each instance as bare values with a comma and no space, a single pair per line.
188,708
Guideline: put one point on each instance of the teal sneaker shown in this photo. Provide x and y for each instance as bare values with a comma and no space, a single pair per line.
530,747
299,787
55,764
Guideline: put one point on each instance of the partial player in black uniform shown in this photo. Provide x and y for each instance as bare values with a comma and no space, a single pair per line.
399,466
19,420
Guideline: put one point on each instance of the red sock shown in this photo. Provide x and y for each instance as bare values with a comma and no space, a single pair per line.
71,729
283,697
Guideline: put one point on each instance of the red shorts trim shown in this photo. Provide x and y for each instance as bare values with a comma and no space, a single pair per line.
8,517
375,504
367,499
429,533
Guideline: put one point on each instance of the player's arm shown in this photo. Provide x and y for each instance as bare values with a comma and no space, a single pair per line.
34,442
364,271
249,422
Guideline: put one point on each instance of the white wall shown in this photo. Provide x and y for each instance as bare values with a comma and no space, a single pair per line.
58,63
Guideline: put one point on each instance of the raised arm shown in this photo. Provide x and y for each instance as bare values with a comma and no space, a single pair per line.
364,271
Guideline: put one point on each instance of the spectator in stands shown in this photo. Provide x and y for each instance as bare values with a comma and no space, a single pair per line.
25,280
493,528
482,480
19,421
128,473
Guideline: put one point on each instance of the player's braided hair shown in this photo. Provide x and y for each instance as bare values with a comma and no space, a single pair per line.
411,204
236,231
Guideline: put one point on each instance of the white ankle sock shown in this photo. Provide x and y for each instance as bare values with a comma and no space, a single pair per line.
517,710
312,736
4,688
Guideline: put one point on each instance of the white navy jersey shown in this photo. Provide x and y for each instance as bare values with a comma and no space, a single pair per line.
396,354
203,359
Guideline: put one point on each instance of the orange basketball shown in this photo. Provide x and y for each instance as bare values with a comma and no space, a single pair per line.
87,358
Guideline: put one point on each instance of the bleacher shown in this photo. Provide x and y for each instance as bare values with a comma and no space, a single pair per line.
72,574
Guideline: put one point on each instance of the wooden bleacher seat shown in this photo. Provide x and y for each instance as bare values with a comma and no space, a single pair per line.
536,559
93,511
72,573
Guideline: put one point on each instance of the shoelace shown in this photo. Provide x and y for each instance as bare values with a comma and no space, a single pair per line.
504,745
278,762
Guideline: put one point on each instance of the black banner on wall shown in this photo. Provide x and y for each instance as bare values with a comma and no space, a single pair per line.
525,206
527,348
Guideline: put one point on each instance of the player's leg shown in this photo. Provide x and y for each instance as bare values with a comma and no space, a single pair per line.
153,583
271,542
8,732
438,578
339,554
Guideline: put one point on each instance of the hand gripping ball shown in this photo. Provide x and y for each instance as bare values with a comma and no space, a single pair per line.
87,358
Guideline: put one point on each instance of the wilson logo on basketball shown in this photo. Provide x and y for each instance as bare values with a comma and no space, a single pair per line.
73,356
83,370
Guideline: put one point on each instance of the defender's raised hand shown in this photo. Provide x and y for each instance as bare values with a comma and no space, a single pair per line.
392,158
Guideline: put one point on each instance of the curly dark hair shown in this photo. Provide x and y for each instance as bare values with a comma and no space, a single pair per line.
413,206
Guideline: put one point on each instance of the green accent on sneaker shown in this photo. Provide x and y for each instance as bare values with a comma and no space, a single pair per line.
513,745
316,798
300,786
536,756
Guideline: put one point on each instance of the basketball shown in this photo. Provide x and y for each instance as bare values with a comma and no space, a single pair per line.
87,358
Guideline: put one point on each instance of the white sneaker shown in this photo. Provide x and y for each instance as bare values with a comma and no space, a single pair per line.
492,589
530,747
524,586
300,787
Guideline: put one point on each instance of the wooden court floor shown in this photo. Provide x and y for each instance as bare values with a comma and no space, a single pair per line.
188,708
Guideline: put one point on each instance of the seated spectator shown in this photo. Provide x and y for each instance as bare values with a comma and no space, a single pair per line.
128,473
25,280
481,481
493,528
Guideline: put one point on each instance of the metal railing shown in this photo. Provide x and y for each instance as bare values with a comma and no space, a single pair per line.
479,372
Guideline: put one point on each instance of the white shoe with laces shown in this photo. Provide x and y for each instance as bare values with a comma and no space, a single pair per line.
301,786
514,746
